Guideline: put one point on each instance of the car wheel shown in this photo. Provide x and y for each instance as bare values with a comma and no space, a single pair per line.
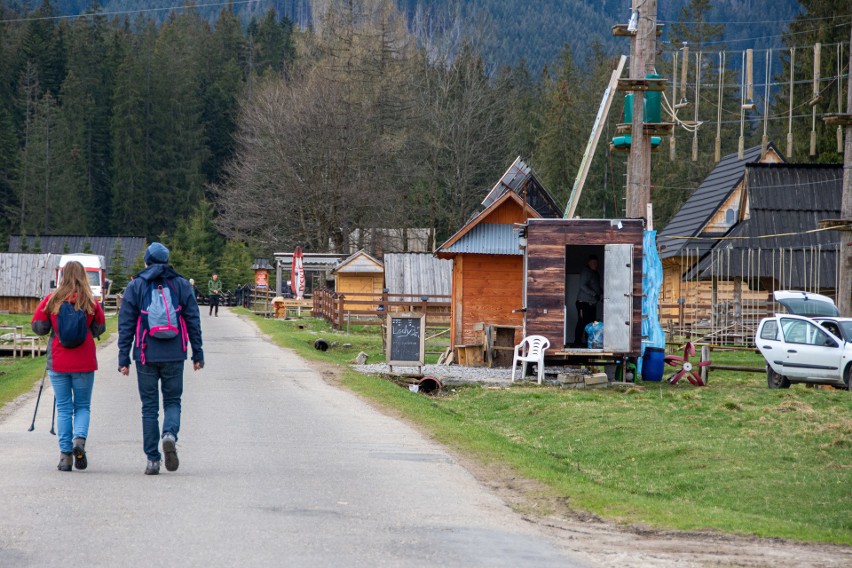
847,377
775,380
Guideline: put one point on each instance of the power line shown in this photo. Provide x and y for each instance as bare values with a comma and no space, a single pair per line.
124,12
750,22
771,36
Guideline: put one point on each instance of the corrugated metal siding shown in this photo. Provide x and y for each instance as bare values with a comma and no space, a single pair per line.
489,238
104,246
26,275
417,273
704,202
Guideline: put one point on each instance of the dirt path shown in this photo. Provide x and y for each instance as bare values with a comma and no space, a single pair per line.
609,545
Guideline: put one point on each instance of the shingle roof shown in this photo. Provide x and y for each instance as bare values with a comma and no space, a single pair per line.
61,244
703,203
785,198
519,174
488,238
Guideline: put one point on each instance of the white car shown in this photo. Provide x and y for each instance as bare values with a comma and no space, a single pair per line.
811,344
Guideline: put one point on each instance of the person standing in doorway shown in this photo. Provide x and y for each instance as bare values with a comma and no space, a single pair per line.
73,318
214,290
156,296
588,297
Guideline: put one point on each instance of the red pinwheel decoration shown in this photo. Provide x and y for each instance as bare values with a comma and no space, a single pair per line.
687,368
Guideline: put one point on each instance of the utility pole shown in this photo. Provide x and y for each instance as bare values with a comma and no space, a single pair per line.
844,291
643,50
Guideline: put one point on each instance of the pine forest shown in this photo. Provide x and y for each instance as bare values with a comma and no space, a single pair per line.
236,135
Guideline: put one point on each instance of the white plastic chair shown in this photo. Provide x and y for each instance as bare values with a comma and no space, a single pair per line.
533,348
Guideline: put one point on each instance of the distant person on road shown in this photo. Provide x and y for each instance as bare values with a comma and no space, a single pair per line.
238,295
194,289
71,368
214,290
588,297
158,295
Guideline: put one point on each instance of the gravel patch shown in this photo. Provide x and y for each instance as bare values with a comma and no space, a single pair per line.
458,375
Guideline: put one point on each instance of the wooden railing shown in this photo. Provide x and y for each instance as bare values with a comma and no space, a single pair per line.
372,309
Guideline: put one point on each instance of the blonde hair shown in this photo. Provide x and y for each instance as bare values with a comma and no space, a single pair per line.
75,284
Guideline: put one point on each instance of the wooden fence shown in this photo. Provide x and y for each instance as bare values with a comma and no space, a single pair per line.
371,309
723,323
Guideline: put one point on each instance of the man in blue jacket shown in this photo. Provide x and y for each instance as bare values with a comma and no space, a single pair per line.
159,361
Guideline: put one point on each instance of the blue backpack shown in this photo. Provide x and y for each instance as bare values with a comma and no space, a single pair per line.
71,326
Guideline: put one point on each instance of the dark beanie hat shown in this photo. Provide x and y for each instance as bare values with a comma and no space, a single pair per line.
156,254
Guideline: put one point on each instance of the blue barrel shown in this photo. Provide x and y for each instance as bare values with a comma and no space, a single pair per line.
652,364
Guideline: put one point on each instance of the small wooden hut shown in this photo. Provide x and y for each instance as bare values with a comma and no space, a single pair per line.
359,274
488,263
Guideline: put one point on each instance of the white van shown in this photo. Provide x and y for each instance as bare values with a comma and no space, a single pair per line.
95,266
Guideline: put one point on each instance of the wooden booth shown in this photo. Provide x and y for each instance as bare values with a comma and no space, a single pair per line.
358,278
488,266
556,251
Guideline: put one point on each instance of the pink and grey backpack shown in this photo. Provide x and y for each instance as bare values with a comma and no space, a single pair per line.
160,318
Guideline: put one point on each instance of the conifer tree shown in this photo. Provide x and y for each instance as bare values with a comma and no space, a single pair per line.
117,271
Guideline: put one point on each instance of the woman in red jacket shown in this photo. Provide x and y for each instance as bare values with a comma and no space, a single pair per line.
71,369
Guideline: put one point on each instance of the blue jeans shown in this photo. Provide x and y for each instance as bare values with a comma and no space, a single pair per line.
153,377
73,393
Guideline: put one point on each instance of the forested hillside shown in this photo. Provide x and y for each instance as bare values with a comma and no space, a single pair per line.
507,31
230,136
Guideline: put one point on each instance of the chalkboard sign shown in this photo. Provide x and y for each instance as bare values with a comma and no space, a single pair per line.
406,339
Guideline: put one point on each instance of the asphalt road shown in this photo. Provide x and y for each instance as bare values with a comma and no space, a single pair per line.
278,468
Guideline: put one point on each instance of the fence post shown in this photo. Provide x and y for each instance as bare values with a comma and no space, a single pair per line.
339,318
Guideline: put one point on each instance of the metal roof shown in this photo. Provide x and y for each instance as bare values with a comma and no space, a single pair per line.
132,247
417,273
704,202
488,238
783,199
26,275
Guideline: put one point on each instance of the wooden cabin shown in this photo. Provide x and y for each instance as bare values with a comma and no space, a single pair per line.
556,250
24,280
776,247
487,276
359,274
713,210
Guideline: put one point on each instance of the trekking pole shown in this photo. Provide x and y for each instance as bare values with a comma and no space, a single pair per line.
38,398
53,417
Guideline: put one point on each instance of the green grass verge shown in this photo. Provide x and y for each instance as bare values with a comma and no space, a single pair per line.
734,457
17,376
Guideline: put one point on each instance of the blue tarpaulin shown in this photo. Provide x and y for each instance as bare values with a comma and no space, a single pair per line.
652,280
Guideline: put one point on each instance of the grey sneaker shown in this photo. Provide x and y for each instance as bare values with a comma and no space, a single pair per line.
153,467
79,452
170,451
64,462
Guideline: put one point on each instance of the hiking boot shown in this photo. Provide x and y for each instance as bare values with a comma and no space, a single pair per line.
79,452
64,462
170,452
153,467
